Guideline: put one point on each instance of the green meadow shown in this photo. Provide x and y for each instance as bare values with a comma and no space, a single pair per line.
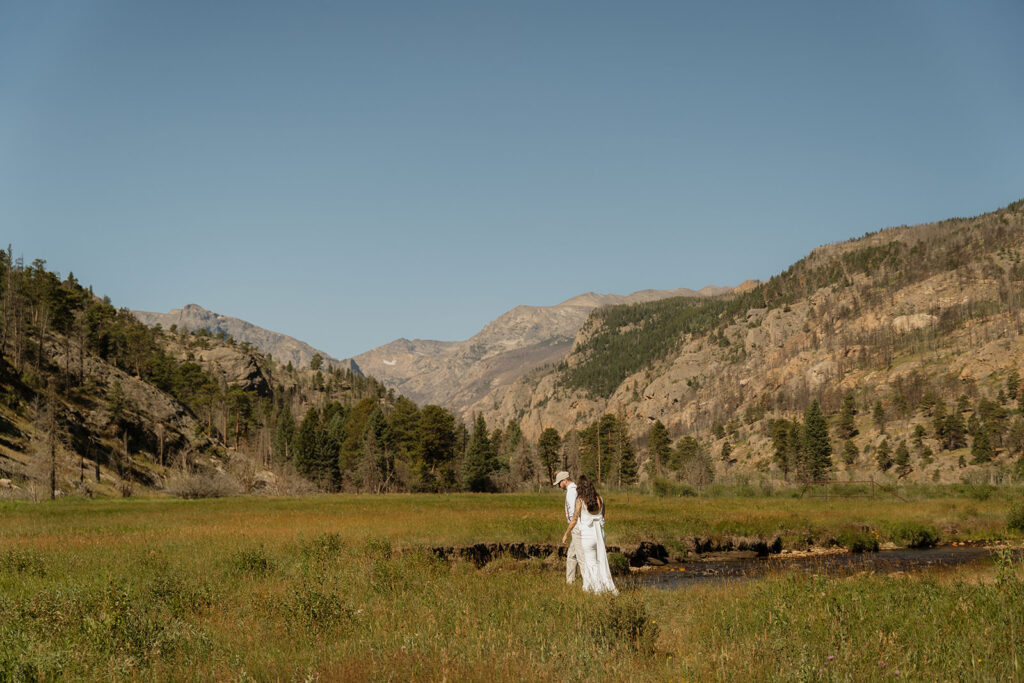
344,588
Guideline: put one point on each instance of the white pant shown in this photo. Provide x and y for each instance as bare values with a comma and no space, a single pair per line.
574,556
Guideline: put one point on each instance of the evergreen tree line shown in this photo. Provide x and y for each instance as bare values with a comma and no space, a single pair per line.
687,461
390,447
987,425
803,449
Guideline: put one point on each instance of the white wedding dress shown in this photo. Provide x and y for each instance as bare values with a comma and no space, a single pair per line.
597,575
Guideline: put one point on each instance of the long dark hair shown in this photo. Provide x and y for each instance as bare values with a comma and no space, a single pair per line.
585,490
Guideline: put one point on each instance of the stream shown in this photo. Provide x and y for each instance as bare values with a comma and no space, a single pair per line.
839,564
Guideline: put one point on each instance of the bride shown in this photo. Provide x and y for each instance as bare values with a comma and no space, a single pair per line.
589,514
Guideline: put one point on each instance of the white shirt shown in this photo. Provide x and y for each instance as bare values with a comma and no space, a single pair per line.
570,502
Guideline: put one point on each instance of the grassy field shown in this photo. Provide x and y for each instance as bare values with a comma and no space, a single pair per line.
315,588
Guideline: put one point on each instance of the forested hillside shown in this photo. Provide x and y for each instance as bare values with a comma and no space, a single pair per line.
96,403
907,342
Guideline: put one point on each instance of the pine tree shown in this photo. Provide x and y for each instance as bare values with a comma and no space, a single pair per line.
850,452
404,427
477,467
816,452
627,459
794,444
284,432
1015,436
981,449
902,460
693,462
513,436
1013,384
726,452
686,449
660,448
375,464
371,471
847,427
571,451
919,435
313,457
878,415
547,451
435,445
955,431
601,450
524,467
787,438
883,456
939,422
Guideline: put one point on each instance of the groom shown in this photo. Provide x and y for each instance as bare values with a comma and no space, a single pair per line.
575,553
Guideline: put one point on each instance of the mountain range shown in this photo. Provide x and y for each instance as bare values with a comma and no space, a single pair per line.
283,348
908,343
460,375
926,310
455,374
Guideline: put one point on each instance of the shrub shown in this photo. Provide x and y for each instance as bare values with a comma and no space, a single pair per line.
664,488
310,608
377,554
980,491
123,624
619,564
179,594
915,535
206,485
624,621
858,540
1015,520
378,548
322,548
23,562
251,561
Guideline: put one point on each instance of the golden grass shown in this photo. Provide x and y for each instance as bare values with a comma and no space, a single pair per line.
287,589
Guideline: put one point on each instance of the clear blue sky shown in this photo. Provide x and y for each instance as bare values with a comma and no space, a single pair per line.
350,173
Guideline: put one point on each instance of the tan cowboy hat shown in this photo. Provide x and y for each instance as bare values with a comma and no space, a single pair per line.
560,477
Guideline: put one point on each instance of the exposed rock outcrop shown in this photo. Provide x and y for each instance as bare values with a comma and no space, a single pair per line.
236,367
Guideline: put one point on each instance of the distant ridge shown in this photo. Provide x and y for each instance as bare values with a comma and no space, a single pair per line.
459,375
595,300
283,348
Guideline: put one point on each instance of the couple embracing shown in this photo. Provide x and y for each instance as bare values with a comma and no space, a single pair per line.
584,511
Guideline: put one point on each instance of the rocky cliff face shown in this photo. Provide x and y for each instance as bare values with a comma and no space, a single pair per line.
462,376
884,328
156,424
283,348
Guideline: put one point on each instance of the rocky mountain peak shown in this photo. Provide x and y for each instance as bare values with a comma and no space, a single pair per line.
459,375
283,348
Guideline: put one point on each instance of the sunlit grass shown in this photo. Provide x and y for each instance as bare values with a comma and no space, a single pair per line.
293,588
469,518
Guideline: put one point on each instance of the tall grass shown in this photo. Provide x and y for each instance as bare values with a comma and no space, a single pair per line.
429,519
336,588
